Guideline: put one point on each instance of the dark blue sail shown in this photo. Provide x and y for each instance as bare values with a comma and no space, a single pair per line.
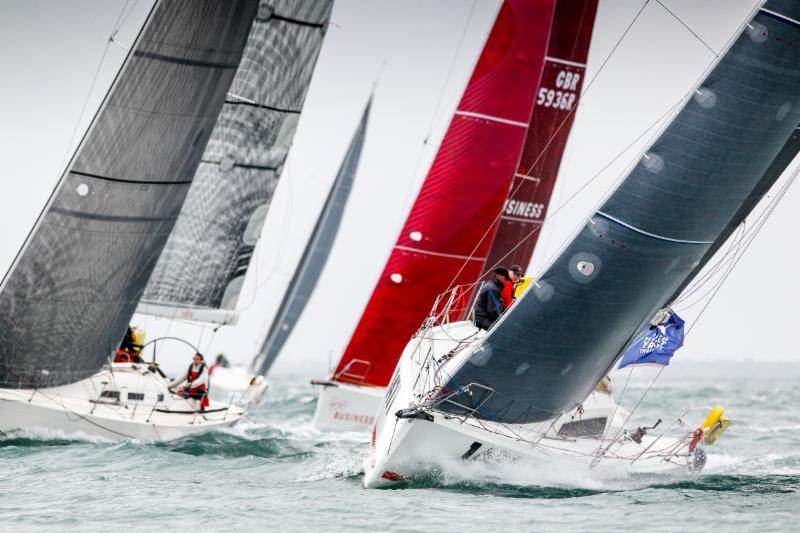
703,175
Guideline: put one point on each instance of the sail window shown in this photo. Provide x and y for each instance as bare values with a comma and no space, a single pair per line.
590,427
783,110
705,98
653,162
543,291
227,163
521,369
584,267
396,277
757,32
415,236
82,189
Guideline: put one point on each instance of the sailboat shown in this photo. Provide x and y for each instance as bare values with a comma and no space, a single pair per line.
201,272
315,255
67,300
511,391
491,149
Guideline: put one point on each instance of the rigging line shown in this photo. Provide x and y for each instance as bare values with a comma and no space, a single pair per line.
773,204
437,108
66,162
574,195
708,69
676,17
580,98
282,248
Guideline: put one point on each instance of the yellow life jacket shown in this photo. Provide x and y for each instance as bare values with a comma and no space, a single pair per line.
522,286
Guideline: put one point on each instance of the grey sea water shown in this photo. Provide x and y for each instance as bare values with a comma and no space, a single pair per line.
276,472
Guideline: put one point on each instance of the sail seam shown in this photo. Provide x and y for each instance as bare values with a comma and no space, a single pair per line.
565,62
183,61
520,219
439,254
648,234
776,15
492,118
136,182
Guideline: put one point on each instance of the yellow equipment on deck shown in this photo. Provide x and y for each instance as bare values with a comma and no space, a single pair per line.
715,424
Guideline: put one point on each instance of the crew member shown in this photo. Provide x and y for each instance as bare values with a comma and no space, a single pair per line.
520,282
489,304
194,385
221,362
130,351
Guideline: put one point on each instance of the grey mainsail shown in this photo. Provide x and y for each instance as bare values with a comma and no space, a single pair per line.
67,300
315,255
206,258
717,158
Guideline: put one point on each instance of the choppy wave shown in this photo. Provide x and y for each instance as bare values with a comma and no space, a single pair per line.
276,470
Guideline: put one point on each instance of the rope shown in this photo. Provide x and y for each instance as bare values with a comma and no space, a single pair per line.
578,103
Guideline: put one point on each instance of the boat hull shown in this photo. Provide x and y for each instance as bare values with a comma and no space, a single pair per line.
346,407
93,408
411,435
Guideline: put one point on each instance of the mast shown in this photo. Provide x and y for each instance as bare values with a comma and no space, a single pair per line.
441,242
708,168
66,302
203,267
315,255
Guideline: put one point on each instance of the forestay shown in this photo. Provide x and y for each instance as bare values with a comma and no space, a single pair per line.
706,171
206,258
315,255
69,296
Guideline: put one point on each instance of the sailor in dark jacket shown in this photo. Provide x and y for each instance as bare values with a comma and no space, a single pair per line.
489,304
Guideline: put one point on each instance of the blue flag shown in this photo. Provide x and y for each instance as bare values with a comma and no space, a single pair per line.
656,345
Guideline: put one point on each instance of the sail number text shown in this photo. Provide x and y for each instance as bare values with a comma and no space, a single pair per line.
564,95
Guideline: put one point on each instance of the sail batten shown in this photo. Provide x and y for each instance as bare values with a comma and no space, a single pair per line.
69,296
208,254
652,234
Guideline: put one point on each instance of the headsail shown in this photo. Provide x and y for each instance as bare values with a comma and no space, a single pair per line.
556,105
203,266
464,190
315,255
646,240
66,301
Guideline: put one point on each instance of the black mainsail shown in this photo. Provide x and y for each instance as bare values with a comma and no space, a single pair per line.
206,258
724,149
67,300
315,255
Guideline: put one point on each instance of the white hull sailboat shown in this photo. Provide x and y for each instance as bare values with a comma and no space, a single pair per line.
122,401
343,406
413,432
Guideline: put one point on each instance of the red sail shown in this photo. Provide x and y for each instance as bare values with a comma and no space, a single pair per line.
559,90
461,196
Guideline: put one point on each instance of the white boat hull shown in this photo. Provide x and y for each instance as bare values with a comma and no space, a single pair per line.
346,407
410,435
124,402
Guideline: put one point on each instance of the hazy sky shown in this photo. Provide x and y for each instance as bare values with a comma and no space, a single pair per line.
418,55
